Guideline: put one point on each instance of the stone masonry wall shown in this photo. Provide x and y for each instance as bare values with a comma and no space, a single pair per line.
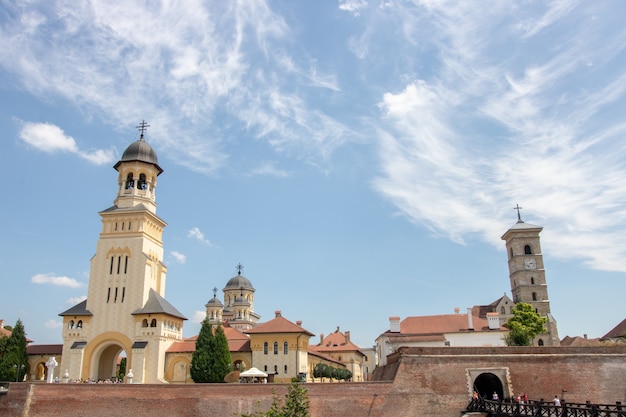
425,382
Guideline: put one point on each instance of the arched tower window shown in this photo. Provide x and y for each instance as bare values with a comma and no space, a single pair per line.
265,348
144,323
540,342
142,182
79,325
527,250
153,323
70,325
285,348
130,183
275,348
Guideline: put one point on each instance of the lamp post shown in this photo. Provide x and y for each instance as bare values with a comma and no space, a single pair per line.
18,368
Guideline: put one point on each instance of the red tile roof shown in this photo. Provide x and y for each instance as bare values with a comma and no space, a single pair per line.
278,324
444,323
617,331
337,342
44,349
237,342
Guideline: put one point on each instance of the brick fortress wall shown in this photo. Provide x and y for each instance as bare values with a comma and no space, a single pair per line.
425,382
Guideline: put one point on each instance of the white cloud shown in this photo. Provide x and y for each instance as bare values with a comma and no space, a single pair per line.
50,138
195,233
76,300
53,324
198,316
179,257
352,6
53,279
269,168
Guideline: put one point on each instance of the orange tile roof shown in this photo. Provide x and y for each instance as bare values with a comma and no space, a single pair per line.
278,325
444,323
336,342
237,342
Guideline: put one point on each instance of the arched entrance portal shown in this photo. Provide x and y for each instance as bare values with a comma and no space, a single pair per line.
108,362
486,384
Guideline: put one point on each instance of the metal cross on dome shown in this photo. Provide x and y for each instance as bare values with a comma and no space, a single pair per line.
143,126
518,208
239,268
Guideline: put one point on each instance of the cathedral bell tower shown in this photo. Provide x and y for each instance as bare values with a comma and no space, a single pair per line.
528,276
125,313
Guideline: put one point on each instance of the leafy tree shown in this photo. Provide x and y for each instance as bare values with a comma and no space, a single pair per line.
296,403
525,324
200,360
219,359
13,355
122,371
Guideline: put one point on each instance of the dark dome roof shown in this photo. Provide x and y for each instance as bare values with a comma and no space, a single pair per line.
140,150
214,301
238,282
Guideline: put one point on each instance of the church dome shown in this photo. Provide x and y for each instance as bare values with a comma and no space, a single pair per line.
238,282
141,151
214,302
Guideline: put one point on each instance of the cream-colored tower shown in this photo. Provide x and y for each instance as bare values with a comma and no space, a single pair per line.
125,311
528,276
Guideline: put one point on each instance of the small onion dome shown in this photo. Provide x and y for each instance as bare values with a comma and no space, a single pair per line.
141,151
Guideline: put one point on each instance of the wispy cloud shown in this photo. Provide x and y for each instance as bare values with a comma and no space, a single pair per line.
269,168
75,300
53,279
459,150
199,316
53,324
195,233
179,257
50,138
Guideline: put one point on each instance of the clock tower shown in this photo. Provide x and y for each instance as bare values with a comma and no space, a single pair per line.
528,276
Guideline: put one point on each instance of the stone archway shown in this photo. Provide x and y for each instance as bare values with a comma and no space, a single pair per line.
106,361
486,384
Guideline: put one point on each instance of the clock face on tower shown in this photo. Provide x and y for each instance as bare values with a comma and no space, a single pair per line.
530,263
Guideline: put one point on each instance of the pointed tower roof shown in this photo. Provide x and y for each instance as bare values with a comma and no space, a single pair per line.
157,304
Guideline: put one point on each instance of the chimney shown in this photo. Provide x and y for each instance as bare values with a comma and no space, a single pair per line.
321,338
299,323
347,335
2,323
493,320
277,313
470,319
394,324
456,310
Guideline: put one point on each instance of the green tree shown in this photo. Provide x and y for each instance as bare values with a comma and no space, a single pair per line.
13,355
219,358
525,324
200,360
296,403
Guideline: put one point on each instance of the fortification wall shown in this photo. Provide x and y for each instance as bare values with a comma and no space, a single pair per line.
427,382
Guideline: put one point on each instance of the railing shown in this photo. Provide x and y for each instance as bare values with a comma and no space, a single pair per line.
546,409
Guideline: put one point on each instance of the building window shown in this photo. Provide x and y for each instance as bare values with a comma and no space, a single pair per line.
275,348
275,369
265,348
126,264
153,323
265,368
111,267
109,295
144,323
79,325
502,310
119,261
532,280
527,250
285,368
129,181
142,182
70,325
534,296
285,348
540,342
123,293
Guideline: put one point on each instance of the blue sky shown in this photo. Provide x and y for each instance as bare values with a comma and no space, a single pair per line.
360,158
